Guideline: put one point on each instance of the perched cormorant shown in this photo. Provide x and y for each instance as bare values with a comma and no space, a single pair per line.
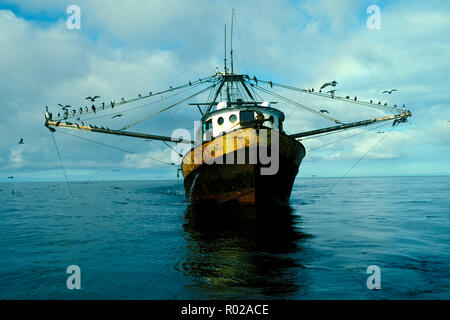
331,92
48,115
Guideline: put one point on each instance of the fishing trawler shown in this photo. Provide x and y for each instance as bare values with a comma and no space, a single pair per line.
241,154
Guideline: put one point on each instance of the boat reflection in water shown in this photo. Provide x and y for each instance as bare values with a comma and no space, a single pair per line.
236,254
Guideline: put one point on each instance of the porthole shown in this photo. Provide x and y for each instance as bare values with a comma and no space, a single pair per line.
233,118
220,121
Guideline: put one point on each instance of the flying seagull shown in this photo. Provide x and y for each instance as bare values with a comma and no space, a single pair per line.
389,91
332,83
117,116
21,141
92,98
64,107
324,111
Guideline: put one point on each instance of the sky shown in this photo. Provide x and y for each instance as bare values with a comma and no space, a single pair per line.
126,48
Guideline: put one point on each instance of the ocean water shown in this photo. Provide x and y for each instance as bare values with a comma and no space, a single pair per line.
140,240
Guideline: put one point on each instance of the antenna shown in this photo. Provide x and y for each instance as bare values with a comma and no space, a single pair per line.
231,41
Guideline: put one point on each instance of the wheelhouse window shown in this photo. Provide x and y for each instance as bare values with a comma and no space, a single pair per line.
247,116
207,125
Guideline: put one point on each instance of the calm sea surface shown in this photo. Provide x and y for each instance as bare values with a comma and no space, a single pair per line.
139,240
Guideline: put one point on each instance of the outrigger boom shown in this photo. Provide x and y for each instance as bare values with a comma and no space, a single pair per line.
54,124
401,117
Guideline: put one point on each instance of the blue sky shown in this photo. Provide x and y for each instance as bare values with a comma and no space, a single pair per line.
127,48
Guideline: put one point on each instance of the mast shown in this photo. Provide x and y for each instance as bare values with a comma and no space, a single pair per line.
225,51
231,42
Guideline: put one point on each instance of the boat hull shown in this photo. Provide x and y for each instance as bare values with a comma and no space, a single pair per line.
216,181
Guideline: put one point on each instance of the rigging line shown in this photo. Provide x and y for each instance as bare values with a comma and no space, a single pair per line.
144,105
256,94
359,160
197,82
168,107
347,137
172,148
62,165
324,95
117,148
339,131
298,104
